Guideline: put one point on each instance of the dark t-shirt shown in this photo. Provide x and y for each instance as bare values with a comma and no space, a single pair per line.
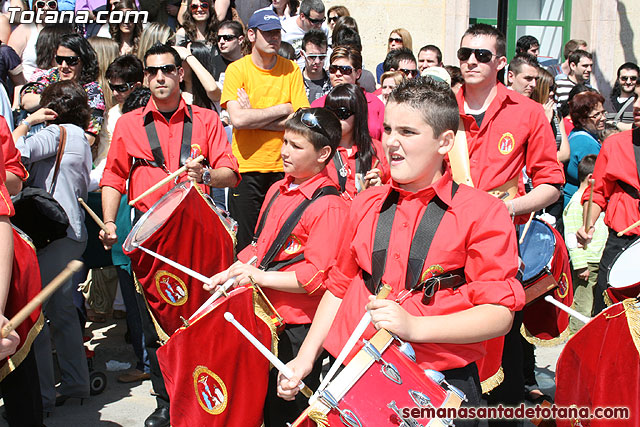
627,115
9,60
478,118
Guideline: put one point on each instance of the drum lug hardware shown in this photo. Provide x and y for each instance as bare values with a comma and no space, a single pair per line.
405,348
347,416
420,399
388,370
405,421
438,378
185,322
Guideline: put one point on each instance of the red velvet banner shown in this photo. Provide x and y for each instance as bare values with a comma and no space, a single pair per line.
25,285
214,376
600,366
185,228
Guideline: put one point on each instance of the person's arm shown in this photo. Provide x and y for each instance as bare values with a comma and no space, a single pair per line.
565,151
540,197
19,38
257,118
30,101
37,117
5,29
110,204
221,7
181,11
204,76
9,344
13,183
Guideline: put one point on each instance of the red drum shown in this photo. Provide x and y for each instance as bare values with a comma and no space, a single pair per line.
623,279
213,376
186,227
378,382
546,271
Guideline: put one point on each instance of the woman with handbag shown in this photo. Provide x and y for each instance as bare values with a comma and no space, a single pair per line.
58,158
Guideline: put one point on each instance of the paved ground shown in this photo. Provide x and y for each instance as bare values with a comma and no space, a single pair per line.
129,404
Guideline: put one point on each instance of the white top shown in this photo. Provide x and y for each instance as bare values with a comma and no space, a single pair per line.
29,53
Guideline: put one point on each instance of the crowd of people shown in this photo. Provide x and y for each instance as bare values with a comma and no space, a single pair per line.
277,100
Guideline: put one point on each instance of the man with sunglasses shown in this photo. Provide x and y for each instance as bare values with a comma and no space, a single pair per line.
505,133
314,52
260,92
148,143
311,15
623,96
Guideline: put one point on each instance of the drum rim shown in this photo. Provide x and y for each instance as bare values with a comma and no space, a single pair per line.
550,261
629,245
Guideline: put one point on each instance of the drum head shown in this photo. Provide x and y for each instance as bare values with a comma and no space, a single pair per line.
537,248
625,271
156,216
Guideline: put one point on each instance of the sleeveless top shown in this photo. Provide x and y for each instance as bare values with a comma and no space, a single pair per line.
29,53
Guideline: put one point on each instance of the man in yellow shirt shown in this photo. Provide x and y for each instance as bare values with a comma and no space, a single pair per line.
261,91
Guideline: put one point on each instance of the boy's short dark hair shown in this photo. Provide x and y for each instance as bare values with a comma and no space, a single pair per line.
392,61
126,67
525,43
327,132
287,51
314,36
434,100
586,166
345,36
161,49
491,31
433,48
521,59
138,98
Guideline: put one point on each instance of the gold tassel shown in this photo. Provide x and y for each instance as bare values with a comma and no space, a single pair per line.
560,339
607,299
319,417
493,381
633,319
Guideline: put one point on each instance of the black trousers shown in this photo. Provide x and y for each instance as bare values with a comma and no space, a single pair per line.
468,381
21,394
613,247
245,201
277,411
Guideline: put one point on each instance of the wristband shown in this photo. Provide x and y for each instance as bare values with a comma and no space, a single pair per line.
107,222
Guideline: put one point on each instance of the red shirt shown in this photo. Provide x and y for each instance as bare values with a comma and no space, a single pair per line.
6,207
514,133
616,162
316,235
130,141
10,153
475,233
349,160
375,115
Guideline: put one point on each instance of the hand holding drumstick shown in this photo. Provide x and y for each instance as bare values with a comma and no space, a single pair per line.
371,178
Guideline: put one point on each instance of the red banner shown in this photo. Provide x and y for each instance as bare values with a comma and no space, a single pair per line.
213,375
25,285
184,227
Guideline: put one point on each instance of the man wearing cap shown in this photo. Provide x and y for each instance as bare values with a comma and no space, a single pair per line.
260,92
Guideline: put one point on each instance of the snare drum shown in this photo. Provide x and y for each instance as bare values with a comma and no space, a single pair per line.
378,382
624,275
184,226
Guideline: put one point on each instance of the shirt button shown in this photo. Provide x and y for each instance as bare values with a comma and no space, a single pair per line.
396,255
405,224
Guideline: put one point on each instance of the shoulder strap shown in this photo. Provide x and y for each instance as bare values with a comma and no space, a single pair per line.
291,222
341,170
264,216
154,140
61,146
623,108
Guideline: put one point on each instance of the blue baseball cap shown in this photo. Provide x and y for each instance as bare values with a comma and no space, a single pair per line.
265,20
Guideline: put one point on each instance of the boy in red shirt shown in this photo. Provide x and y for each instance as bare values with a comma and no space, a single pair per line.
474,239
292,274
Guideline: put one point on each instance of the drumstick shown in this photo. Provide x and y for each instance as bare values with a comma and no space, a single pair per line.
164,181
42,296
526,227
219,292
629,228
284,369
361,178
93,215
351,342
569,310
587,219
186,270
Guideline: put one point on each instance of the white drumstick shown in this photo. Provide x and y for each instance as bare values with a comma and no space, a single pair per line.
186,270
219,292
571,311
286,371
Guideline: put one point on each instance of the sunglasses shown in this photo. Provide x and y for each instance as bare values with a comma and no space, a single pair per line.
70,60
166,69
226,37
482,55
121,88
343,113
333,18
628,78
397,40
315,57
51,4
203,6
315,21
311,121
347,70
408,73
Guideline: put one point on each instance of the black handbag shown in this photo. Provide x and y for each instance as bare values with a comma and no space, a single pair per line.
37,213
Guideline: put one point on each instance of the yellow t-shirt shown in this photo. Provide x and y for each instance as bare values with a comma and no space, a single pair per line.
258,150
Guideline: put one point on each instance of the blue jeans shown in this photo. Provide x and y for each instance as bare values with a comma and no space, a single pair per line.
127,287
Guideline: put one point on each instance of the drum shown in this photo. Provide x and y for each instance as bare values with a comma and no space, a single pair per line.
623,279
184,226
546,271
377,384
213,376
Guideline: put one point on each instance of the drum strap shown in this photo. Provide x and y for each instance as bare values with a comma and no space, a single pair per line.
420,243
289,225
154,141
341,168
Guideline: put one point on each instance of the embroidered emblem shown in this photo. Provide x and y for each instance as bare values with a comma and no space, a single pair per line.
434,270
210,390
292,245
563,286
507,143
171,288
195,151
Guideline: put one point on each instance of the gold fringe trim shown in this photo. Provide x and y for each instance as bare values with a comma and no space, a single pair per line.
163,337
607,299
633,319
319,417
560,339
262,310
16,359
493,381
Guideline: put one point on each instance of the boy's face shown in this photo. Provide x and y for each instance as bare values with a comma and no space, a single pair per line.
300,159
415,155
